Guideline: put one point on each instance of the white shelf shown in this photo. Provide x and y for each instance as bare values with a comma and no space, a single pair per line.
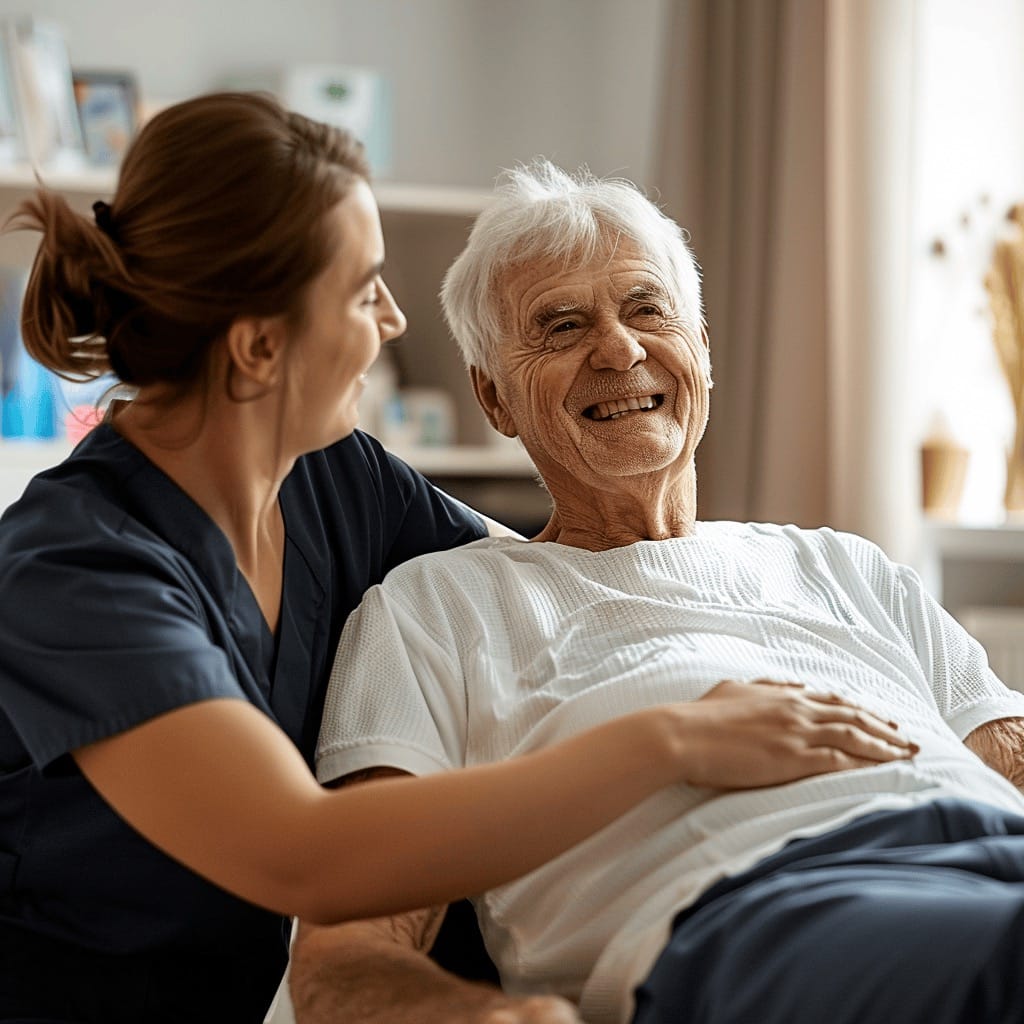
967,567
21,460
442,200
392,196
32,454
86,180
1005,540
479,460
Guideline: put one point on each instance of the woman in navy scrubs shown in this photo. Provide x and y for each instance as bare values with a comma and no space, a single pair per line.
172,594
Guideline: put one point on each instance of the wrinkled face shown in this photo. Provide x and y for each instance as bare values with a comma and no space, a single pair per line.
602,373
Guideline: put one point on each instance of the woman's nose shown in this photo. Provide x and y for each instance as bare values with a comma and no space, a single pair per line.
616,348
391,322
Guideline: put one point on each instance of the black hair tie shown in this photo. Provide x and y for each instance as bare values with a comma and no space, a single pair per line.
102,213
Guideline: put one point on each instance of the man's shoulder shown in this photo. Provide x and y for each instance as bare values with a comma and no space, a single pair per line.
821,543
478,558
821,536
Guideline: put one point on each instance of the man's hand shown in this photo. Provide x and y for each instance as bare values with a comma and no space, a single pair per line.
378,972
533,1010
1000,744
745,735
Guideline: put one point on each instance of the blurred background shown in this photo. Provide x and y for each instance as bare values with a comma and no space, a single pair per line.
846,169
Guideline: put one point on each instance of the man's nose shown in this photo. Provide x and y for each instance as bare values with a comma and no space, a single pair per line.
616,348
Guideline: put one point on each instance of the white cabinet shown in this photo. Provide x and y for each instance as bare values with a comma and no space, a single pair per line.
424,229
978,575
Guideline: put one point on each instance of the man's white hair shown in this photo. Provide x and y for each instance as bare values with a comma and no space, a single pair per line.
541,212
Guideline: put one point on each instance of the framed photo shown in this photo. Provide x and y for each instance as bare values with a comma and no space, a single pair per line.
358,99
108,109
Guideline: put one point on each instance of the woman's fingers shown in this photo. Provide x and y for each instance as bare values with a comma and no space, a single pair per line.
822,760
768,732
868,720
856,740
785,684
863,719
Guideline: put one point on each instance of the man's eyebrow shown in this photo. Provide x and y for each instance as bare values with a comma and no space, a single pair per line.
646,290
551,312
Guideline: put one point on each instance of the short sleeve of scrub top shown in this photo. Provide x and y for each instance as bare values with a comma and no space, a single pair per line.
103,627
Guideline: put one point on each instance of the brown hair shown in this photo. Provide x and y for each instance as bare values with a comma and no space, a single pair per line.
219,212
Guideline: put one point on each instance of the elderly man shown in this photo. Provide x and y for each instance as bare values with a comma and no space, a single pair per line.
893,892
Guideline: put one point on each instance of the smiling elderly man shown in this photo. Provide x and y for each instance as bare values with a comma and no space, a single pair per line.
893,892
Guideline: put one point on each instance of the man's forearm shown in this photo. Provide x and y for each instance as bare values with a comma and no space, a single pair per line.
358,973
1000,744
371,972
363,972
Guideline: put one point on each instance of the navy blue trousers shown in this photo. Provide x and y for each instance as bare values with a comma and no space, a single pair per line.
903,917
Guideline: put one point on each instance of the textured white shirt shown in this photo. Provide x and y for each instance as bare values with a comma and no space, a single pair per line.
503,646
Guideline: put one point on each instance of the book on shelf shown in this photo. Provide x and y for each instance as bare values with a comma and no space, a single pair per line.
11,148
38,113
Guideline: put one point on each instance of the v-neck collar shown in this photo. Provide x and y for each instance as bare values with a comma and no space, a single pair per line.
163,506
169,511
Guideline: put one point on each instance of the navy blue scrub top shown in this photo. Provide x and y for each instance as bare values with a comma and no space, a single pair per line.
120,599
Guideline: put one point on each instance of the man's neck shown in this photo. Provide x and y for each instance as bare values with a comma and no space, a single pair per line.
652,507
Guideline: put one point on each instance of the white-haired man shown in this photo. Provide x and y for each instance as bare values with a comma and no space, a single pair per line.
885,893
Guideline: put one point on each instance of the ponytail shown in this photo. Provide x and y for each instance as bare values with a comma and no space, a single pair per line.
71,293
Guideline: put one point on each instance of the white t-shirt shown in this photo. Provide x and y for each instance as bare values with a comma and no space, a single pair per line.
504,646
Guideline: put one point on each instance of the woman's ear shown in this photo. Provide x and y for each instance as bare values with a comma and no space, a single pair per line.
486,392
255,348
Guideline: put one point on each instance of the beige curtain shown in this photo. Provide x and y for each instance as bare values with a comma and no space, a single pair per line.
782,150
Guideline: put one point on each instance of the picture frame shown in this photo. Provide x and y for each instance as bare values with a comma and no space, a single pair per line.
108,110
354,98
357,99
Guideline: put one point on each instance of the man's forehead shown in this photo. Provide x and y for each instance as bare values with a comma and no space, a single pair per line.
624,276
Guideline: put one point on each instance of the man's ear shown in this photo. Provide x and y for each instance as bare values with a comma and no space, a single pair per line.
255,347
486,392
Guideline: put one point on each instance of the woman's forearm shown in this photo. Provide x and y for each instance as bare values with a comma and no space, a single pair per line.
460,833
218,786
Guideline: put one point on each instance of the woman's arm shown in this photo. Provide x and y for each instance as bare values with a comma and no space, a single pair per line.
218,786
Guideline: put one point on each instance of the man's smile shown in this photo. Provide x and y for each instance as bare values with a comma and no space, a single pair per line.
613,408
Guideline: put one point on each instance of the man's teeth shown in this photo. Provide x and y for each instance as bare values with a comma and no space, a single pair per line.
619,407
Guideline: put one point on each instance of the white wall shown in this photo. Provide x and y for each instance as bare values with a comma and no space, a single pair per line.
968,144
477,84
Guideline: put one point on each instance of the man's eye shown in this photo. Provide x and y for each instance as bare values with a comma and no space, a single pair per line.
563,333
647,310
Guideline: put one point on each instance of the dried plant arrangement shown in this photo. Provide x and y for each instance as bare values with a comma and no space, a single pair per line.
1004,283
